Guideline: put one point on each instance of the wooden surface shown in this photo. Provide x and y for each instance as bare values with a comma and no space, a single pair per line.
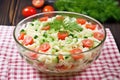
10,14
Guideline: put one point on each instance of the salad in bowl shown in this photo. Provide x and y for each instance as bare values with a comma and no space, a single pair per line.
61,42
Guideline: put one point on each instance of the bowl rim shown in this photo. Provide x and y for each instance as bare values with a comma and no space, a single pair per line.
65,12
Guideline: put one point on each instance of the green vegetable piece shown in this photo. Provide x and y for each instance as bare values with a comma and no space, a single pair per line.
45,35
66,57
85,37
22,30
42,41
36,30
56,60
36,36
73,35
32,24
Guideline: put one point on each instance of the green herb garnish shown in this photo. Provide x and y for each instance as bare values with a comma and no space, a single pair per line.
61,25
56,24
72,26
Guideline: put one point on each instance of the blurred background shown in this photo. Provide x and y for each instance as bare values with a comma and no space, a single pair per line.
105,11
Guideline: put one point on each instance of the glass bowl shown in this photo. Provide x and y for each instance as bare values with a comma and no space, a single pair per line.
44,63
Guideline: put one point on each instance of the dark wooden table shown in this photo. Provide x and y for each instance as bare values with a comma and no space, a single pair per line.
10,14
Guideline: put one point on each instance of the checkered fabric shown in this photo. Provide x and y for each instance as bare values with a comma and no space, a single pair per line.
13,67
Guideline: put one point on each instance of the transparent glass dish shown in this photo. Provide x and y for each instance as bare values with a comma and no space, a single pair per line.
89,56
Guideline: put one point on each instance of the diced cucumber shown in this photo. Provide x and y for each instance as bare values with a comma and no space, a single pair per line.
42,41
54,50
45,35
66,57
31,24
85,36
36,36
55,59
22,30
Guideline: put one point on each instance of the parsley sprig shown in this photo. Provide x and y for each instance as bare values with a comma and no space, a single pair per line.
61,25
102,10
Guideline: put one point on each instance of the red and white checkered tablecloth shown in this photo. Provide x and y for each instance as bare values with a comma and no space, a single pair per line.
13,67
